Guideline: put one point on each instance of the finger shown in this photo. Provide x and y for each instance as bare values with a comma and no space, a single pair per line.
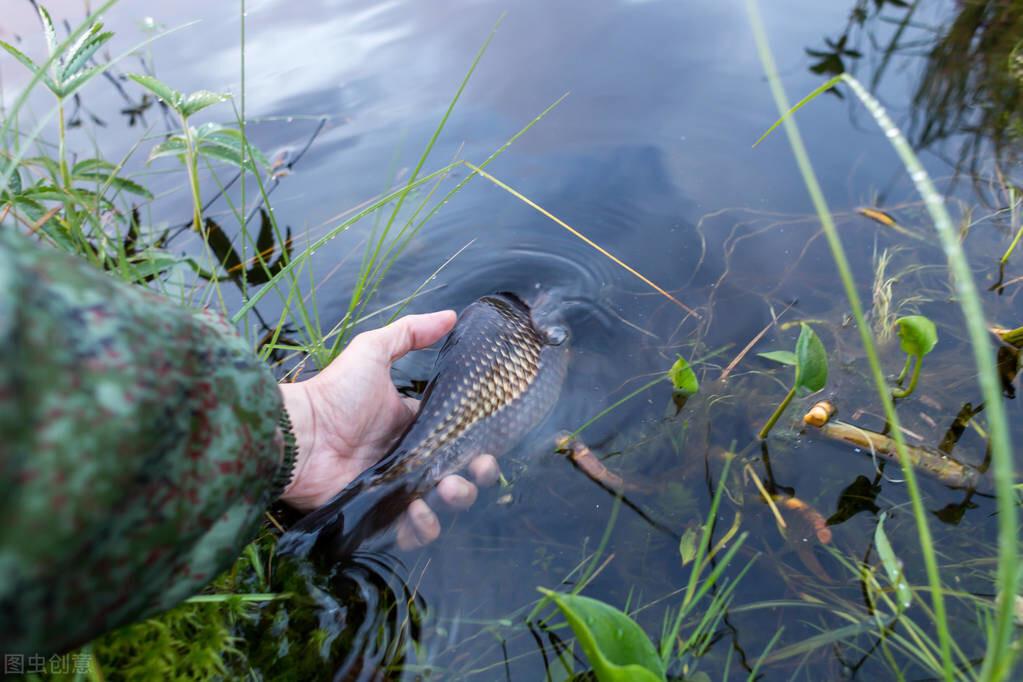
484,470
457,492
418,527
411,332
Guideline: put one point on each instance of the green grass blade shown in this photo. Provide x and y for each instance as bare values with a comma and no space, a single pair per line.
342,227
1000,654
869,347
799,105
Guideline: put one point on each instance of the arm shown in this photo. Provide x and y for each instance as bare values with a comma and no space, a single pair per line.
139,446
140,443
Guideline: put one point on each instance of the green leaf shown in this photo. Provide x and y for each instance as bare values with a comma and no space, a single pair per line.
892,565
811,361
153,262
226,144
117,182
199,100
32,209
687,545
174,145
683,378
68,87
91,165
42,192
169,95
46,163
83,52
48,30
615,645
785,357
14,184
29,64
917,335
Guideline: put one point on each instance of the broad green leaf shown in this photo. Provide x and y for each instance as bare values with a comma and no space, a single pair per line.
84,52
917,335
199,100
892,565
811,361
615,645
683,378
169,95
687,545
785,357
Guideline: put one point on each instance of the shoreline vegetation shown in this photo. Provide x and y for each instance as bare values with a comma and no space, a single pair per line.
98,209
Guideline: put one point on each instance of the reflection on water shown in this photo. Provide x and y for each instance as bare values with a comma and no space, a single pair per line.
650,157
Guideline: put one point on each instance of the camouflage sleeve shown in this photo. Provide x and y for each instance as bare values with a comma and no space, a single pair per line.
139,446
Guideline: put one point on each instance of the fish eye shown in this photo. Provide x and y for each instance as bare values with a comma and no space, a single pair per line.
556,335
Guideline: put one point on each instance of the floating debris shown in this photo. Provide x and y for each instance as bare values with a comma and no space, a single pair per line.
820,414
930,462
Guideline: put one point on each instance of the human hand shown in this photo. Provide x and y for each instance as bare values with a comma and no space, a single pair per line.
348,416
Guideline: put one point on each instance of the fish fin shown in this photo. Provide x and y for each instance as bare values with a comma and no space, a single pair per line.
300,538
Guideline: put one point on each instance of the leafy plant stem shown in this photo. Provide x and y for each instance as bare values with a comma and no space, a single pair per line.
1019,233
905,370
777,414
999,655
192,164
903,392
849,285
65,174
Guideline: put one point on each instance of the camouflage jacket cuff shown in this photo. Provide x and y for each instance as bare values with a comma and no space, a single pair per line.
286,470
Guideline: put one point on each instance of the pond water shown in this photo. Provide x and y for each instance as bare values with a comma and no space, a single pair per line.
649,155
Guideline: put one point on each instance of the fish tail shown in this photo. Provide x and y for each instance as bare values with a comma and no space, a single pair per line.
337,529
329,519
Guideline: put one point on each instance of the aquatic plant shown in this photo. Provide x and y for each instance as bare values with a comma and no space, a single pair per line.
999,657
811,363
917,337
616,646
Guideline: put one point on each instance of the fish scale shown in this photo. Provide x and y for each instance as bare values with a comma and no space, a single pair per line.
497,376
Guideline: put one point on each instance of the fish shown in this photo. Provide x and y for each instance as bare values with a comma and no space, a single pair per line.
497,376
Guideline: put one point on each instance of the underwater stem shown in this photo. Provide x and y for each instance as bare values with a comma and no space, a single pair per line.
777,413
1019,232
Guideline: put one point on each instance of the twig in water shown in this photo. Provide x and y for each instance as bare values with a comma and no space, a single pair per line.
521,197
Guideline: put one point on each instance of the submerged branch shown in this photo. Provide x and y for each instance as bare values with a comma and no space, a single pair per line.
929,462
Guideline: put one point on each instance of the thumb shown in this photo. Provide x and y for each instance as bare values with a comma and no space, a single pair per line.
413,332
